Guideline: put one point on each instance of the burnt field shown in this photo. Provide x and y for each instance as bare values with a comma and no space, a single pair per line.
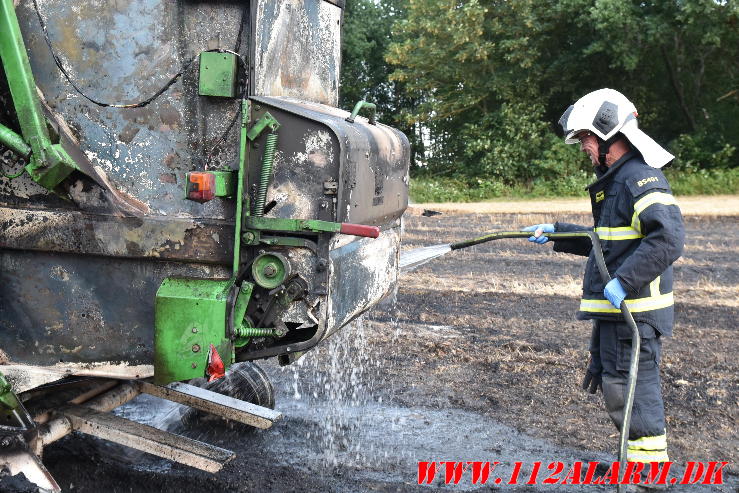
518,354
477,357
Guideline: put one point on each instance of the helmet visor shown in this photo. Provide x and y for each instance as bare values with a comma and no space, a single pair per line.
562,123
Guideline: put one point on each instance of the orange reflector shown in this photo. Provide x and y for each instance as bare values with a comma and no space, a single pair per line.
216,368
201,186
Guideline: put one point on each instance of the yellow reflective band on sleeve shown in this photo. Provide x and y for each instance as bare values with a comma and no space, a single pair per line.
647,456
654,287
620,233
658,442
650,199
636,305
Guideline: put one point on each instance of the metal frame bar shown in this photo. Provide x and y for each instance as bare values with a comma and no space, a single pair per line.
50,164
20,79
243,166
214,403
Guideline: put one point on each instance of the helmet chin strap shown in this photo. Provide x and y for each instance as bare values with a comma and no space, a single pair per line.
604,146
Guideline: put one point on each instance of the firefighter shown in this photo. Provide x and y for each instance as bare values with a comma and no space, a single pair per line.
641,230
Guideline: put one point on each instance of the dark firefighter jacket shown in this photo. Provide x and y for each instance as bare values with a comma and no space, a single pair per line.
641,232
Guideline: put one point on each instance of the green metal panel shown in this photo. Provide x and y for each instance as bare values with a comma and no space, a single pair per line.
217,74
190,314
240,196
225,183
293,225
14,142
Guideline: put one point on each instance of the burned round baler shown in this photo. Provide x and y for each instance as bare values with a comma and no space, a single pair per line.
230,213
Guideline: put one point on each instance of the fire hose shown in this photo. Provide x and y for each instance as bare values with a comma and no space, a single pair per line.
606,277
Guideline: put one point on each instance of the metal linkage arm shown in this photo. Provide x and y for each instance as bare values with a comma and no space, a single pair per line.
49,164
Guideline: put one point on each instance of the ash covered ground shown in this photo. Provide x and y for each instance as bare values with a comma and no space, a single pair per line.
477,357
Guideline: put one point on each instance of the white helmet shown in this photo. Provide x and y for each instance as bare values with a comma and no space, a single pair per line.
606,112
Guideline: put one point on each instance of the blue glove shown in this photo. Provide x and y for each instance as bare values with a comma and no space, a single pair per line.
614,292
545,228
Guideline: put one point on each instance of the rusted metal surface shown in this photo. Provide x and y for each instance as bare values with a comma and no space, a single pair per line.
362,273
328,148
30,465
346,275
82,312
82,281
64,231
78,282
148,439
297,49
214,403
123,52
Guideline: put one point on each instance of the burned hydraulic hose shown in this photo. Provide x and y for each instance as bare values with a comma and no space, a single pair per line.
606,277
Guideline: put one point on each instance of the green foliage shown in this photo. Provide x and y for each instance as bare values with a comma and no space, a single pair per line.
425,189
444,189
702,151
485,81
504,144
704,181
562,170
365,74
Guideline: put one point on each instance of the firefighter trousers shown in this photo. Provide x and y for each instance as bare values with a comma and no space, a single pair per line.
647,438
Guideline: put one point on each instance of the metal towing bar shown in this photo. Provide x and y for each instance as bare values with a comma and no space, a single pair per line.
84,405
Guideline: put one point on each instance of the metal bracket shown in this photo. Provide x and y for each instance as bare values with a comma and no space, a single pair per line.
309,226
214,403
290,241
267,121
330,187
359,106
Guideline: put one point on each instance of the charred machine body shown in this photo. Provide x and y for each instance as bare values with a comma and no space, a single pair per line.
180,193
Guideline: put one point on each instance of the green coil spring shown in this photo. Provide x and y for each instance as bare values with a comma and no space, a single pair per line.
253,332
266,174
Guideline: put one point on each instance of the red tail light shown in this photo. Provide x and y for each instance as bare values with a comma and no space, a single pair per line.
201,186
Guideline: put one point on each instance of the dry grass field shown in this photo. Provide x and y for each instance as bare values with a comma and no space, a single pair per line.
512,348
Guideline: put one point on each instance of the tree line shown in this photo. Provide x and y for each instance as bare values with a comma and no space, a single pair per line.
478,85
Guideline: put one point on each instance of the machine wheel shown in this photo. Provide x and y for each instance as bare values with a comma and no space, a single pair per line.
245,381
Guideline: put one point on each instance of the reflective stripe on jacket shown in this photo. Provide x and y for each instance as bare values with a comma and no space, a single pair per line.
641,231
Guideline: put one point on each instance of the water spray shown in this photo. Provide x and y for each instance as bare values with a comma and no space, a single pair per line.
414,258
